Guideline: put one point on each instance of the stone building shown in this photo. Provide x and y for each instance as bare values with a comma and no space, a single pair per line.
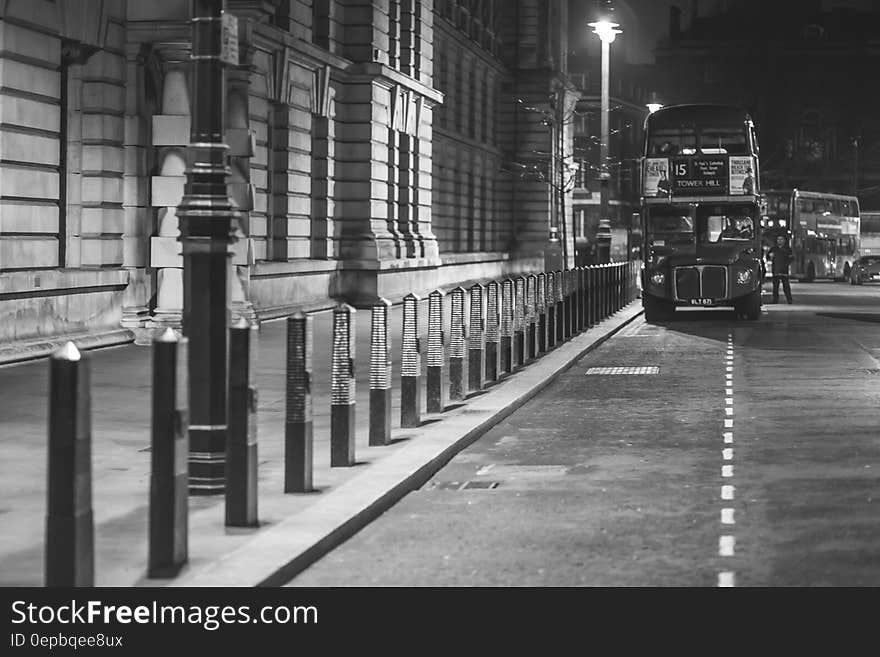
376,148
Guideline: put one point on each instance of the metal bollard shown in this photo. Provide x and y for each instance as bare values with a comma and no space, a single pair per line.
550,299
493,323
342,388
581,301
169,469
519,321
541,310
566,304
70,530
532,317
475,338
594,296
506,326
241,443
380,374
298,443
410,365
560,307
436,397
457,337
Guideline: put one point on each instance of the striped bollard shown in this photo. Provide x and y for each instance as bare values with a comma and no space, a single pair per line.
342,388
457,336
169,468
70,530
506,326
519,321
560,307
541,310
550,301
436,394
475,338
241,442
531,317
410,365
493,336
380,374
298,443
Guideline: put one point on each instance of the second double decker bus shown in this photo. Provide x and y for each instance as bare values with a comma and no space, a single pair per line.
701,211
824,230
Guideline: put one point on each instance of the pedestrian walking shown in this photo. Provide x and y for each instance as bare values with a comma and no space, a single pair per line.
780,256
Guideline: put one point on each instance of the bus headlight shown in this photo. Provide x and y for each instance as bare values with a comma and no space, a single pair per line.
744,276
658,278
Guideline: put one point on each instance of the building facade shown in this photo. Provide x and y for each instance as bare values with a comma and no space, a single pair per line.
374,150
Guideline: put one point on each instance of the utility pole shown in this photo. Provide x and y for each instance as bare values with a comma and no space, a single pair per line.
206,214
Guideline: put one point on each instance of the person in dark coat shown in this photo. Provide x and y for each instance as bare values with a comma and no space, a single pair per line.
781,257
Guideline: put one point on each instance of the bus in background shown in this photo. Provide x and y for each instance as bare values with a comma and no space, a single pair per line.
701,211
869,233
824,231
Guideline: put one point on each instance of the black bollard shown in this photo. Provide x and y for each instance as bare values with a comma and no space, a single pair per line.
506,326
519,321
241,443
541,310
410,365
298,445
380,375
70,531
566,304
436,398
493,322
169,468
457,337
342,388
582,298
560,307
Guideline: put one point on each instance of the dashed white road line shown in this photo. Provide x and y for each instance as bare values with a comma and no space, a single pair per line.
727,542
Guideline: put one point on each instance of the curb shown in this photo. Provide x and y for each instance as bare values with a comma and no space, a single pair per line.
277,554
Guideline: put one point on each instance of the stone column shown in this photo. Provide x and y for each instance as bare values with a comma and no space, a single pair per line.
141,75
171,137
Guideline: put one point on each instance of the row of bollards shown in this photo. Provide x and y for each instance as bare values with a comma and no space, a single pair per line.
494,329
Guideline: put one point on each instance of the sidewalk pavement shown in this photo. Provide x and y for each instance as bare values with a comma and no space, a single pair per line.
295,529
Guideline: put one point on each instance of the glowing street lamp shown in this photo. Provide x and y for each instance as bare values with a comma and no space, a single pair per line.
653,105
607,31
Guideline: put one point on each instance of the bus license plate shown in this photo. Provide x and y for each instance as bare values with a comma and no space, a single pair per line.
702,302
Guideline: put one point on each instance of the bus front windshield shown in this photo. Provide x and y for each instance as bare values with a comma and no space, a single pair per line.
671,223
727,224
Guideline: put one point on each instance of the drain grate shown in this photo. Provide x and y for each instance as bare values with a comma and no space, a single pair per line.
463,485
651,369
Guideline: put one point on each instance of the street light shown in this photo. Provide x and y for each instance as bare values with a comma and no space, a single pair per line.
607,31
653,105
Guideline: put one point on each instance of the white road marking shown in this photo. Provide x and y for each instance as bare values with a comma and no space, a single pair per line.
728,411
728,437
730,368
728,423
726,579
728,391
728,401
725,546
727,516
485,469
727,454
727,492
726,470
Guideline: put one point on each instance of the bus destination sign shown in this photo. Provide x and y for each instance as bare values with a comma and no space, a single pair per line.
699,175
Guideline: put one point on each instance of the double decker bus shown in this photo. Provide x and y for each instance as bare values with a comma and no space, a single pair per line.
824,231
701,211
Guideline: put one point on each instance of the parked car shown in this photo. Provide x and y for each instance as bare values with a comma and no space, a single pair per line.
865,270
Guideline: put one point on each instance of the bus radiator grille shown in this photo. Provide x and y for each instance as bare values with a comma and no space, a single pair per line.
701,282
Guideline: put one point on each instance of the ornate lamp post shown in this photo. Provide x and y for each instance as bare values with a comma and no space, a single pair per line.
606,31
206,213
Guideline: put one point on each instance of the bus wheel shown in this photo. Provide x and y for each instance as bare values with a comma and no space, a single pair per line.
656,310
749,307
811,274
